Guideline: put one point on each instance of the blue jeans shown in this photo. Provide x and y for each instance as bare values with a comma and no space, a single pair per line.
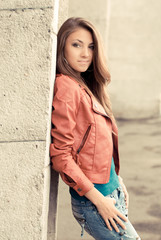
88,217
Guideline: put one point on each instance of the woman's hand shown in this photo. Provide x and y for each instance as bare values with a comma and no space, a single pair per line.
125,192
106,208
111,214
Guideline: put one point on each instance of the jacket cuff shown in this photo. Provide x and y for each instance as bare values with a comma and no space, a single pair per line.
83,187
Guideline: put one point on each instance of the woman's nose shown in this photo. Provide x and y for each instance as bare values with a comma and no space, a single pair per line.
85,52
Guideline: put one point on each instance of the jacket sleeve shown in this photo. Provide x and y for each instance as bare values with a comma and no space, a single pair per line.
65,106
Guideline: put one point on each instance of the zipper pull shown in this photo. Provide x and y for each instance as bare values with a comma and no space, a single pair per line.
76,159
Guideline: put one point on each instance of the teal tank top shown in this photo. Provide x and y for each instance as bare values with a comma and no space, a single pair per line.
105,189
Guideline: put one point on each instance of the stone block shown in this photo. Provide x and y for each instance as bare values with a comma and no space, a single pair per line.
25,56
22,190
19,4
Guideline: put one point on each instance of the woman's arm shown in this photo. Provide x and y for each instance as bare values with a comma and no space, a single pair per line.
125,191
106,208
64,117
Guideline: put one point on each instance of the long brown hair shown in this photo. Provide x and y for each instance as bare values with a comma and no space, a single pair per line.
97,76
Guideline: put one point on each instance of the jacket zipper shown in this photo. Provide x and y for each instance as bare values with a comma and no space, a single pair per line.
84,139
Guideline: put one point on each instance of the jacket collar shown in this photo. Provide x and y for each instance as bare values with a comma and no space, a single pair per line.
98,108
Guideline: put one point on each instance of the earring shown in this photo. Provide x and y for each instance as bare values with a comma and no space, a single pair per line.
66,61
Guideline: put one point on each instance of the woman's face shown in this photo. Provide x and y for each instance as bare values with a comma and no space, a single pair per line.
79,50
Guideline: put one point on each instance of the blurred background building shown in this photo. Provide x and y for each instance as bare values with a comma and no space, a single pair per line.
132,42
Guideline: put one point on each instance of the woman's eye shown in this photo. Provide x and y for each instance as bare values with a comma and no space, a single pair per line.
91,47
76,45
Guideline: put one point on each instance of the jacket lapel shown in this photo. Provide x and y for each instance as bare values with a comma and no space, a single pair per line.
98,108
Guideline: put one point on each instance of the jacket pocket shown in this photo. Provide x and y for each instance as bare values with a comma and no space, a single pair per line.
84,139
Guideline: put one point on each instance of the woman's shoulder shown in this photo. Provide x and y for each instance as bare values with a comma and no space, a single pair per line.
66,87
66,81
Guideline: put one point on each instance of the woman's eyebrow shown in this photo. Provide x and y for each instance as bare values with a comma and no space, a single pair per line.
82,41
78,40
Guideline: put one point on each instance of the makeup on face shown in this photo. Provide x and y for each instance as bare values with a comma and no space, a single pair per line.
79,50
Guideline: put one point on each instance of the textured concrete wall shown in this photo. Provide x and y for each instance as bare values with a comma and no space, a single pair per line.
53,214
135,58
27,56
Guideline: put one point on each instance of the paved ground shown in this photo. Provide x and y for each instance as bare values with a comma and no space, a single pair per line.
140,153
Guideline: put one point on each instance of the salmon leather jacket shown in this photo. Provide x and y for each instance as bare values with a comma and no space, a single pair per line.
84,138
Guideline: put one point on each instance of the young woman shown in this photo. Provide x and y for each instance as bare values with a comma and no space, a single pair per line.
84,149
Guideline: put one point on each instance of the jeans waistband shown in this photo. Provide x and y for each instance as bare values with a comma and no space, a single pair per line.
88,202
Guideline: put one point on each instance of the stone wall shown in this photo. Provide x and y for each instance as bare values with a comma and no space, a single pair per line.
27,56
54,181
